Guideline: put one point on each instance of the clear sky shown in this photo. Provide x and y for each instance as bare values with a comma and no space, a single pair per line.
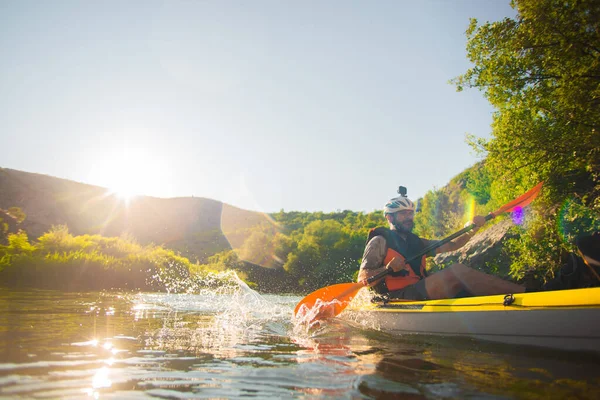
265,105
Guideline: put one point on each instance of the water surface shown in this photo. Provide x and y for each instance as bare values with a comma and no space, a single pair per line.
237,343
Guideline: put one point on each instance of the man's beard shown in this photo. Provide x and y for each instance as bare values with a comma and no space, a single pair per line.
404,227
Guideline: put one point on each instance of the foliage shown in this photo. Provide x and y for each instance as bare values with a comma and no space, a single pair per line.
17,214
444,211
478,182
541,71
546,238
438,213
9,221
311,249
306,252
61,260
327,250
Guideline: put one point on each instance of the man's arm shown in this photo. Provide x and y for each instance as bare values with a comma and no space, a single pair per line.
372,261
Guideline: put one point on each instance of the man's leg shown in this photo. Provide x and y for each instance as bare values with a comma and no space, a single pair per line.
415,291
446,283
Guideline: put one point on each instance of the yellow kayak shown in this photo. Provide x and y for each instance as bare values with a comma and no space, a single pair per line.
565,319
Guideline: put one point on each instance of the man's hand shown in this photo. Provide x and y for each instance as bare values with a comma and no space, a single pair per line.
478,221
398,264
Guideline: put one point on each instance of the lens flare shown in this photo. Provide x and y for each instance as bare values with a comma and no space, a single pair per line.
470,208
518,215
251,235
574,219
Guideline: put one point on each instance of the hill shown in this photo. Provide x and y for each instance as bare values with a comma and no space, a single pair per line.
196,227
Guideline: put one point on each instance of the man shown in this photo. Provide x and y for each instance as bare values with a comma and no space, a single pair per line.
389,248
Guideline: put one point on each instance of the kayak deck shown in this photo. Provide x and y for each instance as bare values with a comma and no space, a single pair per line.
566,320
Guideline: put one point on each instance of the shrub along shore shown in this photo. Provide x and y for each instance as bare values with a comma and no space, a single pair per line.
59,260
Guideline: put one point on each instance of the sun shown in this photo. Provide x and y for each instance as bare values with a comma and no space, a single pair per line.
124,191
129,173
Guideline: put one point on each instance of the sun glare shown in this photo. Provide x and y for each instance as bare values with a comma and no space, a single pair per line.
124,191
129,173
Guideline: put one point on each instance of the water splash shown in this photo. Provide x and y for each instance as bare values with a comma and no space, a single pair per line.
176,278
308,319
314,321
362,300
217,313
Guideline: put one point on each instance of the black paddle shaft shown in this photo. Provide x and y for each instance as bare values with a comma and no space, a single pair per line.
429,248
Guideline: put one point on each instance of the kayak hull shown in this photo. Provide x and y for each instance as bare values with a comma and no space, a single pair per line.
565,320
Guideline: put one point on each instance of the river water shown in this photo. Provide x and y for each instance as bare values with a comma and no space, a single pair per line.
236,343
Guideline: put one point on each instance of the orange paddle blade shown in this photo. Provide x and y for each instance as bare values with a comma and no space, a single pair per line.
520,201
333,299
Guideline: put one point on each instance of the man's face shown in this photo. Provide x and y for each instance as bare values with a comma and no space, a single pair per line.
403,220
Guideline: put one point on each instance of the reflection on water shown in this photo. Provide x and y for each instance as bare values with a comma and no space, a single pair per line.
236,343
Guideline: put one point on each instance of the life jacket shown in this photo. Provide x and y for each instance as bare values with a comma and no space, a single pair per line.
404,249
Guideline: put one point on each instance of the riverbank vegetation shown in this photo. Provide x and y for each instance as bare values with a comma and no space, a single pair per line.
60,260
541,72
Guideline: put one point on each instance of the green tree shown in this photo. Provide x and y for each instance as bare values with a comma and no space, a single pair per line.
541,71
326,253
478,183
258,248
442,211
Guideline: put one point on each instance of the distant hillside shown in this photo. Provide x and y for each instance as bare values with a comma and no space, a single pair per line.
197,227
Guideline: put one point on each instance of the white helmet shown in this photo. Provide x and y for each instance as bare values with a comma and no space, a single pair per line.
398,204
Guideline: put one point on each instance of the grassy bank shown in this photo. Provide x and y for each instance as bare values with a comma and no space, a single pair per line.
59,260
